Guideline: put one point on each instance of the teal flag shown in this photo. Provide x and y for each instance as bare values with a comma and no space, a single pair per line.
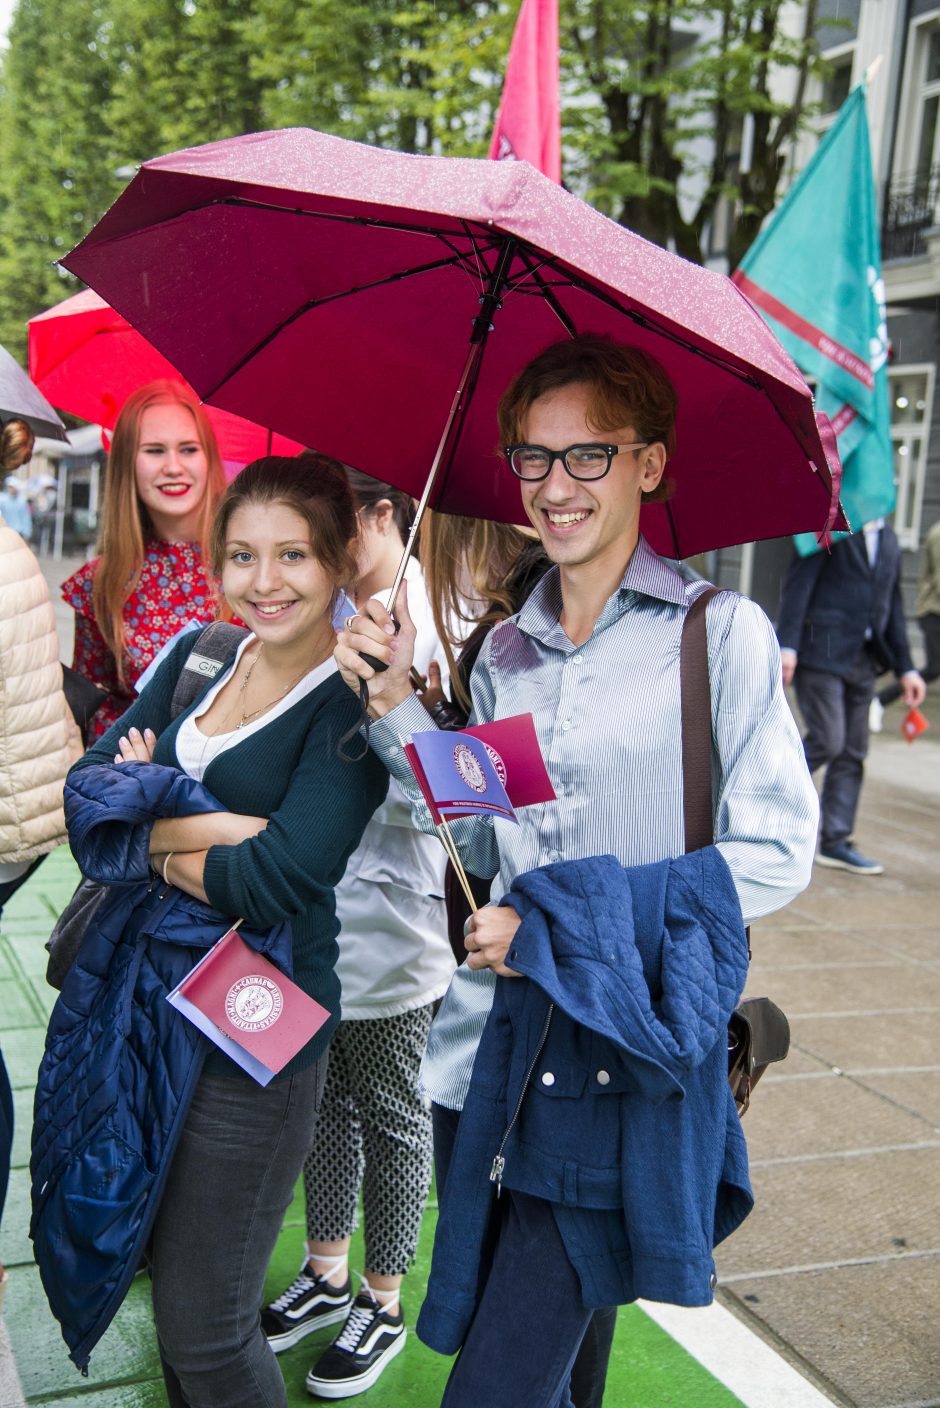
814,272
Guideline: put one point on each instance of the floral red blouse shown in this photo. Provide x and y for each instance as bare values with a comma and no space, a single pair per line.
173,589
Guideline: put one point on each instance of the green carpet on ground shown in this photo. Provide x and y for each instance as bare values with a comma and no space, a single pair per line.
648,1370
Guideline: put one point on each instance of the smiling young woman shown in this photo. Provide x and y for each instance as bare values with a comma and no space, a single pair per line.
263,738
163,479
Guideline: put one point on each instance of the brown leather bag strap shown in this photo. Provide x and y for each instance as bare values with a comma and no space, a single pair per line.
696,726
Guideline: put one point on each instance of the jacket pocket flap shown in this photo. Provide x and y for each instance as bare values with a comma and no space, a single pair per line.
558,1078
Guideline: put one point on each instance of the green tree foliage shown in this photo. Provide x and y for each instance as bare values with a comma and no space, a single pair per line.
419,77
55,172
657,96
662,96
181,74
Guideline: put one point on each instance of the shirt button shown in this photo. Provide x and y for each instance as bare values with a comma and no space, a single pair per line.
566,725
603,1078
548,1078
393,750
576,659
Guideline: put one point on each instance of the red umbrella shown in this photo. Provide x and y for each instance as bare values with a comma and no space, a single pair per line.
375,305
87,360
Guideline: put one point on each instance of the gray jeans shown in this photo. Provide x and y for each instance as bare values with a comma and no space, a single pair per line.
835,712
232,1179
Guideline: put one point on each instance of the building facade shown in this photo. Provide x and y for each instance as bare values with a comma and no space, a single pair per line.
897,44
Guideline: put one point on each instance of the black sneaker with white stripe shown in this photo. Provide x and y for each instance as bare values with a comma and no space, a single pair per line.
308,1304
369,1341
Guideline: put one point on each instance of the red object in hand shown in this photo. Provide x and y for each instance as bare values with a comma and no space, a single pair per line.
914,724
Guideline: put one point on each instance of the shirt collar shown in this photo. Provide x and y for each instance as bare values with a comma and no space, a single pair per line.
646,575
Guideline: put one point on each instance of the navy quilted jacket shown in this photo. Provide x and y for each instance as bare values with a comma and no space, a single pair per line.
624,1119
120,1063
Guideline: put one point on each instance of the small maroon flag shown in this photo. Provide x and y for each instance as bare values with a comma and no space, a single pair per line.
528,124
490,768
513,748
457,776
239,1000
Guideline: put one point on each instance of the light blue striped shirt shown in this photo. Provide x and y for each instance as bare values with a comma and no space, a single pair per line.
607,714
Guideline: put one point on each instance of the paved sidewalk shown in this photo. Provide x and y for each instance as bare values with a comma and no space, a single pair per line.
840,1262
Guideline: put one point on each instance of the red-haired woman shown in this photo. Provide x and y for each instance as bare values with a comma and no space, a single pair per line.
162,483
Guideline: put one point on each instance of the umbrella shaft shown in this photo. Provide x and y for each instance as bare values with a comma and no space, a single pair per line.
475,352
482,326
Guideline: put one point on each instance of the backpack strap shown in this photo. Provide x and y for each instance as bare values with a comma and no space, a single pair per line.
214,647
696,726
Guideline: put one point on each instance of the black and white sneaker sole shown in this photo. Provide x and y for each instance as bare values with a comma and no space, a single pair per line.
288,1338
349,1388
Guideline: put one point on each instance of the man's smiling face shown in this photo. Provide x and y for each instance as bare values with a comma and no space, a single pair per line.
586,521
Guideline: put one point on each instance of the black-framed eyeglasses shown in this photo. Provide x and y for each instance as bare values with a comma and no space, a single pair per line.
533,462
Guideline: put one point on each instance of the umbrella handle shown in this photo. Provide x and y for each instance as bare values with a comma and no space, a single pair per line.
379,666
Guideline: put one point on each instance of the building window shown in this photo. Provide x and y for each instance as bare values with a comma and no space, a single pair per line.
912,196
929,102
836,87
910,390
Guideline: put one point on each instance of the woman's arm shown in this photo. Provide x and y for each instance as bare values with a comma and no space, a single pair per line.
152,709
303,851
186,833
184,870
198,833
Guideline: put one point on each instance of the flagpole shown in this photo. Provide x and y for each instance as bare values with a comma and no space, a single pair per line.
458,866
447,841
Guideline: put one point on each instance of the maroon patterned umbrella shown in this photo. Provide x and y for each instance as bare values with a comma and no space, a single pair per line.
375,305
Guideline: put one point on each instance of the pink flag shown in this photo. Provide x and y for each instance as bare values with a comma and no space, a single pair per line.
513,748
528,124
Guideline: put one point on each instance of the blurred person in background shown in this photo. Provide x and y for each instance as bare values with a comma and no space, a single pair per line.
163,480
840,622
14,506
927,613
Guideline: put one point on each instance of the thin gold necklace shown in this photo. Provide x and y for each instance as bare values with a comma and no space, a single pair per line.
249,714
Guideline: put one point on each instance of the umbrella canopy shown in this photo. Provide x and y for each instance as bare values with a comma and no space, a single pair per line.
88,359
332,290
20,400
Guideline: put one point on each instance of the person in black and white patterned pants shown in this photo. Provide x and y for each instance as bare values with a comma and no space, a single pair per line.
374,1129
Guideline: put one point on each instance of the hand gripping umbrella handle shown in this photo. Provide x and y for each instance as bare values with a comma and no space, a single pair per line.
379,666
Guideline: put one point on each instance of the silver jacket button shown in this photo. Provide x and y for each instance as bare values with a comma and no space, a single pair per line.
603,1078
548,1078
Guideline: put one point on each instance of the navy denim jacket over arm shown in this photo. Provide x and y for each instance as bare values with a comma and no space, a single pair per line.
627,1124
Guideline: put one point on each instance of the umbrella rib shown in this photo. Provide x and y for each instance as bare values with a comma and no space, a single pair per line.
367,222
570,280
312,303
544,291
469,235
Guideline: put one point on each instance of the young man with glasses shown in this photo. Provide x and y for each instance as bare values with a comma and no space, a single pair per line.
588,428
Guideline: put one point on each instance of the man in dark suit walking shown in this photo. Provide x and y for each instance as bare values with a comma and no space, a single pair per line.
840,623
